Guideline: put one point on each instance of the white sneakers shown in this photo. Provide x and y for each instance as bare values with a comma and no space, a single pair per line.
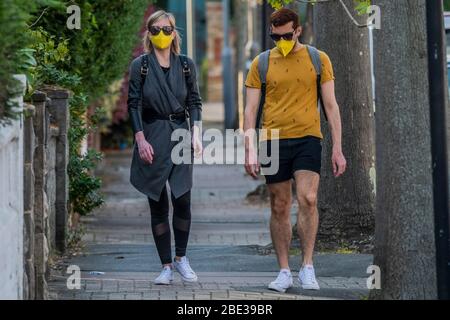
165,277
282,282
183,268
306,278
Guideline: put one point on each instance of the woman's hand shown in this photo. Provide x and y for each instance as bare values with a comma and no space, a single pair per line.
197,142
145,149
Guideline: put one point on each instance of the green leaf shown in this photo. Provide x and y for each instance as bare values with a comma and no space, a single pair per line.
361,6
278,4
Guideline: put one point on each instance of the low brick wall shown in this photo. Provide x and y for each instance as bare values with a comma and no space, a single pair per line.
46,156
34,192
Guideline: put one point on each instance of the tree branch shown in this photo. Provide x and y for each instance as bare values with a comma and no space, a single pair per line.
39,18
345,8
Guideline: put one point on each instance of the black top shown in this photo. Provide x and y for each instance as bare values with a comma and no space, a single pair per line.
165,69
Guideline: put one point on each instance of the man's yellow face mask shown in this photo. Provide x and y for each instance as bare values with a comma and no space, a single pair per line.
285,46
284,42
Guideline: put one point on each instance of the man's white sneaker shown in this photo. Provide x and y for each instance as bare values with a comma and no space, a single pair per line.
307,278
165,277
282,282
185,270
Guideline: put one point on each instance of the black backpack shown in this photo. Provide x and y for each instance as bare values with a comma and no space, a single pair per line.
263,66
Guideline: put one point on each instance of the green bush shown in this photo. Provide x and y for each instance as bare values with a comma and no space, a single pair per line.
13,17
16,18
447,5
52,56
86,62
101,50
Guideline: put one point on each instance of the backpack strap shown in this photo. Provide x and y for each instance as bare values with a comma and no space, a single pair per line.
187,76
186,69
144,72
263,66
144,68
315,58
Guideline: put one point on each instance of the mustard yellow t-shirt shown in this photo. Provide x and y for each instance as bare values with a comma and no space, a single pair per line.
291,95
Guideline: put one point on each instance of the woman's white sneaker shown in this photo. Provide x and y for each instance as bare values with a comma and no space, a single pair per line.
282,282
165,277
184,269
307,278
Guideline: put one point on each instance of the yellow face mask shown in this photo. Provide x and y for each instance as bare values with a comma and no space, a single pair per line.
285,46
161,41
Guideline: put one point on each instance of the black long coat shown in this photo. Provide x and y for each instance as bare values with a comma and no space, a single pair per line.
164,94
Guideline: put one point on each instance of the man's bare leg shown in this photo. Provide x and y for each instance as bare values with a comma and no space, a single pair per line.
307,185
280,220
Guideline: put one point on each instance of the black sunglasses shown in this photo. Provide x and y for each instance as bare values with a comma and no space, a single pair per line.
286,36
155,30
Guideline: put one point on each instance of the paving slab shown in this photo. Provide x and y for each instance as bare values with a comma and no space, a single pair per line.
224,248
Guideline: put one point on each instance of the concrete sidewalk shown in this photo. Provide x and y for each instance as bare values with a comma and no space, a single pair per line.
129,269
226,236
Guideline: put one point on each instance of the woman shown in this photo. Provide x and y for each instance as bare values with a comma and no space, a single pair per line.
167,83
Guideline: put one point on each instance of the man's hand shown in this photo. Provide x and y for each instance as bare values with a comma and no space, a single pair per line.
251,162
145,149
338,162
251,109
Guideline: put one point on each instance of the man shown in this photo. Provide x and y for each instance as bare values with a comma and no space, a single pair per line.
291,106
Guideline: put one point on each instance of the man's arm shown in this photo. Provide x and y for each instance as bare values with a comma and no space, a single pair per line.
251,110
334,121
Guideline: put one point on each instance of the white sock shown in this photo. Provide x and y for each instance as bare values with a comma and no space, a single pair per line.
287,270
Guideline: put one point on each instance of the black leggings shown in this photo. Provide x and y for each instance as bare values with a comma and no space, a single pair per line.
181,224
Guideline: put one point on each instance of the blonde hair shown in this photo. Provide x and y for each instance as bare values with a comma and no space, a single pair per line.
160,14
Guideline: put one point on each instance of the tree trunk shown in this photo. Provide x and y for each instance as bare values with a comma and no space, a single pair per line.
308,31
346,204
404,237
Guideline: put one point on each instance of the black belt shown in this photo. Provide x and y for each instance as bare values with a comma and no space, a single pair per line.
148,115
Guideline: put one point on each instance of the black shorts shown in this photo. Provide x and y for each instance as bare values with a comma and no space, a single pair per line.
303,153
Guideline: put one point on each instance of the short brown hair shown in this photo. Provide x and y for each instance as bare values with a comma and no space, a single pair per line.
284,16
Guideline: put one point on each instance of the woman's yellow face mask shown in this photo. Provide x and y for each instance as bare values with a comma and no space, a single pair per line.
161,37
